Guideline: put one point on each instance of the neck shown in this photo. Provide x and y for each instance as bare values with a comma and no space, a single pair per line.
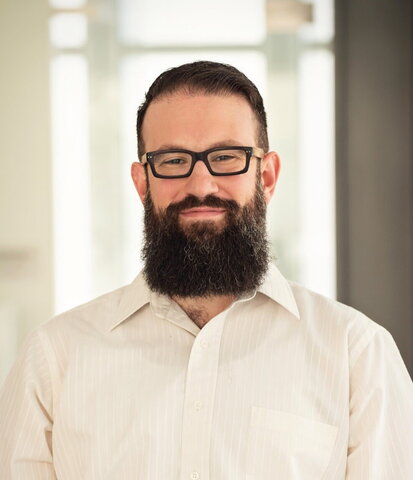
201,309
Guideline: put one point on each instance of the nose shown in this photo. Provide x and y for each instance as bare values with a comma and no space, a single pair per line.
201,183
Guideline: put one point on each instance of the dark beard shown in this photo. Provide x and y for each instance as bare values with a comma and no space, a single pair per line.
204,259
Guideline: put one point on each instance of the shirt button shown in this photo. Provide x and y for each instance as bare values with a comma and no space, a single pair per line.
194,476
204,344
198,405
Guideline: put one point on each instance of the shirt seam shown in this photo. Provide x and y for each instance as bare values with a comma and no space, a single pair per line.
47,351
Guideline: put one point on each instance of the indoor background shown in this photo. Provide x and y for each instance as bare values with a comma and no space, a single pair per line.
336,78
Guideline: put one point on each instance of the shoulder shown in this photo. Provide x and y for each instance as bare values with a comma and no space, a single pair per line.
103,312
321,321
93,315
330,318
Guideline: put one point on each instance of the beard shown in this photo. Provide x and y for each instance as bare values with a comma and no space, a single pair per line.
204,258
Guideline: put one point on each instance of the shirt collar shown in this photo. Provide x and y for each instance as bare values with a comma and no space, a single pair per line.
137,294
133,297
276,287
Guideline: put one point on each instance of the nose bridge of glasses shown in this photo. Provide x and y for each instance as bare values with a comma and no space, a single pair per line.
200,156
203,158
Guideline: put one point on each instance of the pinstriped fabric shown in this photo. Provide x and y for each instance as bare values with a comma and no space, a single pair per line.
284,384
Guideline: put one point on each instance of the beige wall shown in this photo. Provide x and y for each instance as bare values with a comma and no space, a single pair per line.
25,179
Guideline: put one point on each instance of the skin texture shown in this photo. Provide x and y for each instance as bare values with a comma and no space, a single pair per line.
198,122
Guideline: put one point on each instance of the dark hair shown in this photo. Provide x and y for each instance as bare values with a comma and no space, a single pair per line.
209,78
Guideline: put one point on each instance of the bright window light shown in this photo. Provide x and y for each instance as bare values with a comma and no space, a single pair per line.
67,3
68,30
71,181
187,22
321,29
316,171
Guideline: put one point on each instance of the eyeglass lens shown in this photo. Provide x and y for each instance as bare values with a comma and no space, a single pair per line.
179,163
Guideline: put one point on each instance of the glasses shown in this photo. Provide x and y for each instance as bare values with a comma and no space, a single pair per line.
219,161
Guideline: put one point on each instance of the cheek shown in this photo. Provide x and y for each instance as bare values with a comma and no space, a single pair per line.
164,191
240,188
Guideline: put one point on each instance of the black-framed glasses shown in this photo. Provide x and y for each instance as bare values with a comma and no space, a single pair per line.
220,161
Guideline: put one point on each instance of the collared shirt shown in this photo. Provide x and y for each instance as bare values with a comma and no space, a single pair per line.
284,384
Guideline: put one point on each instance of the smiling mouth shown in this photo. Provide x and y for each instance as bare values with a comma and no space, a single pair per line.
202,212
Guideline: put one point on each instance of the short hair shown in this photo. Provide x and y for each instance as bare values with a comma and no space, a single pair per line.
209,78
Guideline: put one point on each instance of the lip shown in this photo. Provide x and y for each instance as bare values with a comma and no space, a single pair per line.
202,212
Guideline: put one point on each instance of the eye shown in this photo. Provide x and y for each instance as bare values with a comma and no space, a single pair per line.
171,161
174,161
223,157
226,156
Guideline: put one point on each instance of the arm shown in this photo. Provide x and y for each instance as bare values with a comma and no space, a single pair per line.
381,414
26,417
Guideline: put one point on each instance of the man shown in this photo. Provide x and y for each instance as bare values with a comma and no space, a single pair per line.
210,365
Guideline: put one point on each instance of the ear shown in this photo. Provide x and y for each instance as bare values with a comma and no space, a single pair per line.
270,169
139,179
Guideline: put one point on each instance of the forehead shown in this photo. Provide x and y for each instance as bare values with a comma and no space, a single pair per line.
197,121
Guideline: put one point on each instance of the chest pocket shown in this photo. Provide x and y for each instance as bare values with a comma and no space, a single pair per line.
286,446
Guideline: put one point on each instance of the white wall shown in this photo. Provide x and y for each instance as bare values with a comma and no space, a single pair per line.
25,173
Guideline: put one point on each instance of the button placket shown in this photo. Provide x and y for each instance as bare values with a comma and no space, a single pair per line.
199,399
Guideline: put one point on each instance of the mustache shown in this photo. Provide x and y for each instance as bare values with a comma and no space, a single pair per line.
191,201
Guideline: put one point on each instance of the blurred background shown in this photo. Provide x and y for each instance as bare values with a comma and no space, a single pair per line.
336,78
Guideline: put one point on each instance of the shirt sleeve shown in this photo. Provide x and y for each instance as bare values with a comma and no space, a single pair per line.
381,414
26,417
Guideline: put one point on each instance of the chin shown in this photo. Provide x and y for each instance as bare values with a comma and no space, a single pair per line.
202,229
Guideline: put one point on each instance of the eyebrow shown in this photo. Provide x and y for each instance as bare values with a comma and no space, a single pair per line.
222,143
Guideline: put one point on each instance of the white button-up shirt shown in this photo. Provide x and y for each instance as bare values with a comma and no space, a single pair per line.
285,384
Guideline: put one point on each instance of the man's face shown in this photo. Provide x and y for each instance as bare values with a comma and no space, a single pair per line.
204,234
199,122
